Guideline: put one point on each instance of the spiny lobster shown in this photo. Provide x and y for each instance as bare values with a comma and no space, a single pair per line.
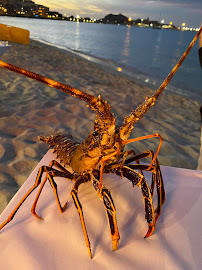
102,152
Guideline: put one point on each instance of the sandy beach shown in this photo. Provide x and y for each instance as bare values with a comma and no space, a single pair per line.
29,108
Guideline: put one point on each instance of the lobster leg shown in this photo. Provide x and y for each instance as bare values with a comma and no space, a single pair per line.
159,186
50,174
104,159
158,181
105,196
36,184
11,216
144,138
135,157
139,180
156,177
74,195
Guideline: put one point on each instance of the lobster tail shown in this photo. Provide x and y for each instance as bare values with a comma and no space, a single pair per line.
53,140
63,145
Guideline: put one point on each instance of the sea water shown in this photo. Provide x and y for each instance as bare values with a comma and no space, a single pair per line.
146,54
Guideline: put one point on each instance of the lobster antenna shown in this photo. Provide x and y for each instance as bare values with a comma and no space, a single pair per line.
174,70
140,111
60,86
149,102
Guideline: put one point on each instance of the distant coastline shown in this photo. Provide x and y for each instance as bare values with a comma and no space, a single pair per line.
28,9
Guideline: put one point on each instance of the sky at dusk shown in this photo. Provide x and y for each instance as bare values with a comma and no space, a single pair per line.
177,11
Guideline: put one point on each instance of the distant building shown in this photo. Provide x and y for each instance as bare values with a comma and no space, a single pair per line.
54,15
42,11
26,8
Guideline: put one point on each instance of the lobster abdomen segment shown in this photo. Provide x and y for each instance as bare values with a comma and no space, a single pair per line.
63,144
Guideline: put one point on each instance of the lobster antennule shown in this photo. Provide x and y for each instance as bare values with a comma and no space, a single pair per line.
139,112
60,86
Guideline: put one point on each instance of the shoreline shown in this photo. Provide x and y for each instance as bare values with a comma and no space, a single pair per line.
127,72
29,109
138,77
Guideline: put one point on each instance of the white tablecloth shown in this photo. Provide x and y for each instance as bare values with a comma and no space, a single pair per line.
57,242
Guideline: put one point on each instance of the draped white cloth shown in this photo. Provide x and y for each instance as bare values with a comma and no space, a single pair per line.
57,242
